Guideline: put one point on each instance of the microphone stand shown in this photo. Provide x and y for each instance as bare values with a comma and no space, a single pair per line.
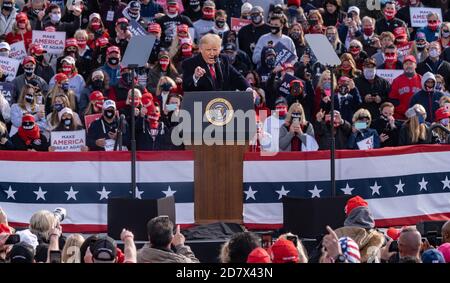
133,67
333,137
119,141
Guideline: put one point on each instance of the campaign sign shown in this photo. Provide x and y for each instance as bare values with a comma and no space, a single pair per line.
68,141
419,15
389,75
284,86
136,29
7,90
237,24
88,119
9,67
283,54
18,51
52,42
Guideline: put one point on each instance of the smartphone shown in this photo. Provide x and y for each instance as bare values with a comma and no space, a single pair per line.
266,241
296,88
293,239
55,256
12,239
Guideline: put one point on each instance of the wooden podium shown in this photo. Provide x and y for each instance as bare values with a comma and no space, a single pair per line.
218,169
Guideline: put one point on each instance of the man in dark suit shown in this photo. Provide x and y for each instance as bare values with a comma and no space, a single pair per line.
209,71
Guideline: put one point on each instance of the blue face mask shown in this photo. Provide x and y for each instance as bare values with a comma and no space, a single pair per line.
65,86
257,101
421,119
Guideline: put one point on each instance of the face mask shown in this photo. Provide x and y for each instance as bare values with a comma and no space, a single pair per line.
28,126
113,61
81,43
124,27
438,86
67,70
256,19
164,63
208,14
389,14
166,86
55,17
444,122
270,62
434,53
29,98
343,90
36,11
327,85
186,50
420,47
109,113
369,73
257,101
220,24
22,25
99,104
295,36
97,84
133,15
65,86
96,26
421,119
290,73
360,125
67,122
58,106
282,110
7,6
433,26
28,71
4,54
171,107
445,34
172,10
355,50
39,58
275,30
195,5
390,58
346,67
368,31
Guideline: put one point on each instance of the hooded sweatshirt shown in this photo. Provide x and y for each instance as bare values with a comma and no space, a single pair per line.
428,99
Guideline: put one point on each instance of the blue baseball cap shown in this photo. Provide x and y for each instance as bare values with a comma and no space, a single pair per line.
432,256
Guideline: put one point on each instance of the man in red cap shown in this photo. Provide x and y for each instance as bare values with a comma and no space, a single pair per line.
29,137
284,251
112,65
359,226
404,87
29,67
43,69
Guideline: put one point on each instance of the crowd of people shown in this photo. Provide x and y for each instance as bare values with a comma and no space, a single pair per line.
292,99
357,241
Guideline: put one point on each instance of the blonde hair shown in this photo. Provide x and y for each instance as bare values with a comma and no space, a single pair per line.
317,13
21,100
54,119
417,131
295,107
322,78
224,256
71,252
362,113
56,90
444,99
81,32
41,223
3,128
210,38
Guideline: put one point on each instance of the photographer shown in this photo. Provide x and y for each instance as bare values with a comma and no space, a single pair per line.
386,126
103,132
297,134
408,247
322,129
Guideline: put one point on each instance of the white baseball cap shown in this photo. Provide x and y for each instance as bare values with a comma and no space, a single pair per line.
109,103
5,45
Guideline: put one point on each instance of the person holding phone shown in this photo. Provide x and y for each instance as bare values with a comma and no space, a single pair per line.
297,134
362,136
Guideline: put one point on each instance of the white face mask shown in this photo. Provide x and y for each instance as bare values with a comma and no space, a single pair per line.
4,54
434,53
55,17
369,73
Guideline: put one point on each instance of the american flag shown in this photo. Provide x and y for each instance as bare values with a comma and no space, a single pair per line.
402,185
82,183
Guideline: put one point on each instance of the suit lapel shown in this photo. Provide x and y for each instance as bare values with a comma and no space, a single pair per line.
208,73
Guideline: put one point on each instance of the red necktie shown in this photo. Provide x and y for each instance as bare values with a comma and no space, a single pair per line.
212,70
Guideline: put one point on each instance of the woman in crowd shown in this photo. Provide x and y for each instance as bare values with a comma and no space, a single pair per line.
67,123
163,88
333,14
5,141
297,134
442,116
362,136
29,137
58,103
386,126
348,67
61,86
415,129
21,31
75,80
95,105
332,35
164,67
71,250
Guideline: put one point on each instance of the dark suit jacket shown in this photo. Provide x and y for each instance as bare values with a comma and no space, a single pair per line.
227,77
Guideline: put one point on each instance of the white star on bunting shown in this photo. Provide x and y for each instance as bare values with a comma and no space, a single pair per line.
71,194
138,193
282,192
169,192
316,192
10,193
40,194
104,194
347,190
375,189
446,183
400,186
250,193
423,185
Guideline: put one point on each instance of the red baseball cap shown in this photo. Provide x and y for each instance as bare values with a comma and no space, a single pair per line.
102,41
154,28
112,49
259,255
96,95
393,233
28,59
21,17
284,251
440,114
37,49
182,28
122,20
400,32
146,98
60,77
353,203
287,66
410,58
343,79
71,42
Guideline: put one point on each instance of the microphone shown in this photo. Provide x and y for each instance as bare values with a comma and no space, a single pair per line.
122,122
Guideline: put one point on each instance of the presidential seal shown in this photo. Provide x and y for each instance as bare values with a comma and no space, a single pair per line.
219,112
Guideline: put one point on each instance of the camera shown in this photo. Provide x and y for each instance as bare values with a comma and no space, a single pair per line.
60,213
55,256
